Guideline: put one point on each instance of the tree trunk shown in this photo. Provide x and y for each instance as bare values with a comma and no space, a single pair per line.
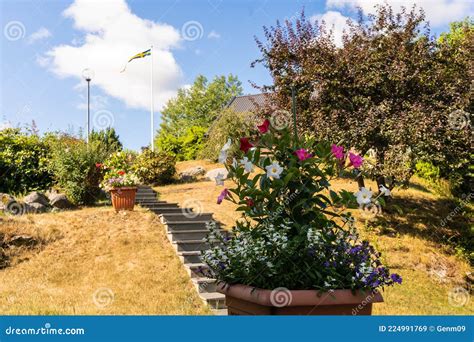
360,181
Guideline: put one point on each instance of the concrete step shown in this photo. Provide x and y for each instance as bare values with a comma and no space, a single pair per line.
165,210
190,246
145,198
155,204
187,215
146,191
220,312
195,270
215,300
188,235
190,257
204,284
172,227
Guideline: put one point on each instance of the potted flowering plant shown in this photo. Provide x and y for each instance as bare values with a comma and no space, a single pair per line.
294,250
119,181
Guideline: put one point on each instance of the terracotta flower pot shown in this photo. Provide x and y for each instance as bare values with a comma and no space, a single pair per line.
247,300
123,198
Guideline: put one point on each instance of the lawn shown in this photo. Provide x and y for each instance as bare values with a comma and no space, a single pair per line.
408,241
94,261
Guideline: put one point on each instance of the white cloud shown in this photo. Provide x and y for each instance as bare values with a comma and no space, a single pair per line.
42,33
334,21
438,12
112,34
213,35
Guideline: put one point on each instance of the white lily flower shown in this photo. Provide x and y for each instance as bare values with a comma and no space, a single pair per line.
222,156
223,153
247,164
363,196
227,145
274,170
384,191
219,178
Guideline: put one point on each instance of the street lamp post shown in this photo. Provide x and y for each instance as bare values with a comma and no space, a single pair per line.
88,74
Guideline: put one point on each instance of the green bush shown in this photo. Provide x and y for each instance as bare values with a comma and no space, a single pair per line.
427,170
169,144
23,159
192,142
73,164
186,147
229,125
154,167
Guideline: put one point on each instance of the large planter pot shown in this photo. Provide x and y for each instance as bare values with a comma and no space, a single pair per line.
247,300
123,198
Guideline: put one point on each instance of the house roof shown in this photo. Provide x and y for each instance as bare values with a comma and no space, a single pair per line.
246,103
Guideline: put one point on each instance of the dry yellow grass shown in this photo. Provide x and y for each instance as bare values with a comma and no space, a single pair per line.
125,259
128,255
429,269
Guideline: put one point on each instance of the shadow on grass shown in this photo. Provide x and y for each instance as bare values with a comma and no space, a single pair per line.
441,221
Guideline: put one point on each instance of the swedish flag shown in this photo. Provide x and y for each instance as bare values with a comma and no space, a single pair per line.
138,55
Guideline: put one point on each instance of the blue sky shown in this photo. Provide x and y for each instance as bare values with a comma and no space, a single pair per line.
45,45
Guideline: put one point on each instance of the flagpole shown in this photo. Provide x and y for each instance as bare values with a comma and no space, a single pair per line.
151,106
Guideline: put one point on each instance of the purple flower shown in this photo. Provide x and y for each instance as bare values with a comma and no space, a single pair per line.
223,195
396,278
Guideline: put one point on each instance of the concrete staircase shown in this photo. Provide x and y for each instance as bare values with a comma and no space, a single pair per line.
186,231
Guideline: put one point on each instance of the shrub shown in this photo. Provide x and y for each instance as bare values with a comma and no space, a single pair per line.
229,125
23,162
192,142
73,164
427,170
169,144
154,167
185,147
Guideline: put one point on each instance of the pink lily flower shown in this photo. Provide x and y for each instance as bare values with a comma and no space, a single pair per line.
303,154
337,151
355,160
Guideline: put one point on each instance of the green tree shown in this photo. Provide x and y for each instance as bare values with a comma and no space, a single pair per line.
389,89
230,124
197,106
108,137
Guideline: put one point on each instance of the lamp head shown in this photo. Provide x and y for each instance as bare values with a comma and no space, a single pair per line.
88,74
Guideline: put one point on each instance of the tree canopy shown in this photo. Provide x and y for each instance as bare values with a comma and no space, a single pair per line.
188,116
390,89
